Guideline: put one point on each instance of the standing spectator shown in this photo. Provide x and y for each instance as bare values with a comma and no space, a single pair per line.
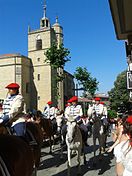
123,151
117,134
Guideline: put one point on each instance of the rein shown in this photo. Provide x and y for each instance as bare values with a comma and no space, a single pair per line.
3,168
74,134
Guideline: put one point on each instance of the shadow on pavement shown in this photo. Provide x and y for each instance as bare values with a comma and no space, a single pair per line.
101,166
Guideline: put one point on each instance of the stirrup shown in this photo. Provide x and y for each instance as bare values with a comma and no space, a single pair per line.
32,143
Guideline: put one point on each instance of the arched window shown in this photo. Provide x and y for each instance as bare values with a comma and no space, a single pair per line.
38,43
45,23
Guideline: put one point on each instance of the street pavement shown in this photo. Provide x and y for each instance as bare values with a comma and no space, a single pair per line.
53,165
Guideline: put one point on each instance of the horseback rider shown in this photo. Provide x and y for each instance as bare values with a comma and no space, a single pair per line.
67,109
104,114
50,113
98,108
13,107
100,111
75,110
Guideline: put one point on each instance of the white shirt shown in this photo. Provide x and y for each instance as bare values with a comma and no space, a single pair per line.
98,108
74,111
13,106
67,111
123,154
49,112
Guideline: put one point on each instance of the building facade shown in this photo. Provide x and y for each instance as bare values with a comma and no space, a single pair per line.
43,74
15,68
35,76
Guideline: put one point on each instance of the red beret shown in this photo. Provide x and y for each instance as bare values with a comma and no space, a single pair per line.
74,98
102,103
69,101
97,98
49,102
12,86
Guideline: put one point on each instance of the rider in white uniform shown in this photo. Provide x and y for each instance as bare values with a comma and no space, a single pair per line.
67,109
104,114
98,108
75,111
50,113
13,107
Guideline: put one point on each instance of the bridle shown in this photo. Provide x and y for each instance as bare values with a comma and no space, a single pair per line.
74,133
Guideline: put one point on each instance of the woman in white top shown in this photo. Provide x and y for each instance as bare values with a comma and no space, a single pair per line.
123,151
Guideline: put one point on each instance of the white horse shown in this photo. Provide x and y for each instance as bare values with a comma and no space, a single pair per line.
74,143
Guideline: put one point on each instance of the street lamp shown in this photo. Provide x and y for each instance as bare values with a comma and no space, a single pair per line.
121,11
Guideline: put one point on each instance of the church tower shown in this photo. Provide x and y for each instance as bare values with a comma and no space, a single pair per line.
38,42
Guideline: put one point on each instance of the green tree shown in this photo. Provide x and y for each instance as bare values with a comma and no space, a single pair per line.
85,79
112,114
119,95
57,56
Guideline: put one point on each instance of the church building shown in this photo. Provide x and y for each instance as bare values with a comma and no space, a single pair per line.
32,73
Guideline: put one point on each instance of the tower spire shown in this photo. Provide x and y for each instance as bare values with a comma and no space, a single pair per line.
44,7
56,19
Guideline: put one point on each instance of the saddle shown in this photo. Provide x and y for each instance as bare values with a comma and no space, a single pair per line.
29,137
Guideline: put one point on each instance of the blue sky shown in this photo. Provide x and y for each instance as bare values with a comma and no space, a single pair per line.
88,33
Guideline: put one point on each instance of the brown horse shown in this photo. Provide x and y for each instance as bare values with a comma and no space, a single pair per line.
36,133
33,132
47,128
16,157
48,132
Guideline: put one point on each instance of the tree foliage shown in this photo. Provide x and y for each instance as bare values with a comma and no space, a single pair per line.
57,56
119,95
112,114
85,79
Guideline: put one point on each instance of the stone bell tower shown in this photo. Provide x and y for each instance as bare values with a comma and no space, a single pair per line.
42,74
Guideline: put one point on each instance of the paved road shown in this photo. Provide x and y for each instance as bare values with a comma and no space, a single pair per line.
52,165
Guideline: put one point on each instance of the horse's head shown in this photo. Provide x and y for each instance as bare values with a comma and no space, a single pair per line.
4,129
71,130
